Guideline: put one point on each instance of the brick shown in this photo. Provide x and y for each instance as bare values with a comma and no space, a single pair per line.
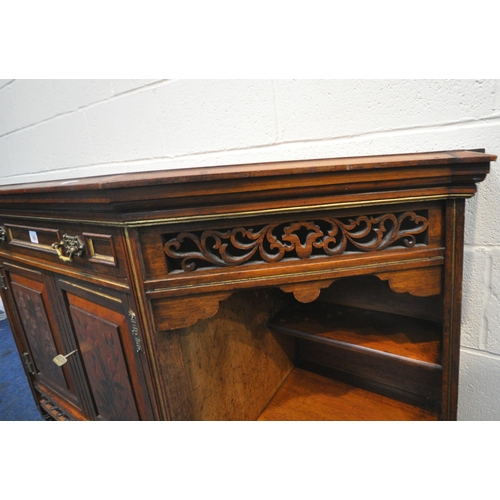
483,215
479,390
477,262
58,143
314,109
5,82
215,115
125,128
120,86
493,306
70,95
8,118
33,101
5,161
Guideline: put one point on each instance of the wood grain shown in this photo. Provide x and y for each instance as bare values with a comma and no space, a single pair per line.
103,358
308,396
233,362
257,186
369,292
389,333
201,258
419,282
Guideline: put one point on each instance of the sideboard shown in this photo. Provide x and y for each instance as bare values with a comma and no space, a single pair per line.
326,289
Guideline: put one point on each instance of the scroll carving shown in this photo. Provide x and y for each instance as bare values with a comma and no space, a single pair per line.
306,292
326,237
420,282
181,312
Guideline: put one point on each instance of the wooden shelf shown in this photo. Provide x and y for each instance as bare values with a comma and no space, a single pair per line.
392,334
308,396
389,349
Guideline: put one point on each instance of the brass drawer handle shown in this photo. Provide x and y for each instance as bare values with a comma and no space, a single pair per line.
62,359
72,246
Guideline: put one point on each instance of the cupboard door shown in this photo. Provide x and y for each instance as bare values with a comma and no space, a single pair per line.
109,349
42,339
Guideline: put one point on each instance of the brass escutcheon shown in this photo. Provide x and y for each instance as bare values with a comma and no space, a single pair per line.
72,245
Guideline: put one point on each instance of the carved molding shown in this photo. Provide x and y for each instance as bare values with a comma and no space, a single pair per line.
306,292
53,410
3,234
326,237
181,312
419,282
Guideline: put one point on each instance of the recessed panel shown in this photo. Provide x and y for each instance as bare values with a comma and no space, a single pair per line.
102,353
100,248
37,238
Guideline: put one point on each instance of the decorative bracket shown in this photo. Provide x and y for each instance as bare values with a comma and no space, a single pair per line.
419,282
306,292
181,312
3,235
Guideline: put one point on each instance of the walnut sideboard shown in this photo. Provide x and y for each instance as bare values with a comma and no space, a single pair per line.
304,290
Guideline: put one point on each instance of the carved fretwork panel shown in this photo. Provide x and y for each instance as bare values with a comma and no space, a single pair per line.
301,240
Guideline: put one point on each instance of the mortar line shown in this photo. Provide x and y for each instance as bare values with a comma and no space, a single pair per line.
86,106
5,85
276,114
479,352
363,135
483,331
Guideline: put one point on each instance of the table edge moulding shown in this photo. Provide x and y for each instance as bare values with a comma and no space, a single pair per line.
322,289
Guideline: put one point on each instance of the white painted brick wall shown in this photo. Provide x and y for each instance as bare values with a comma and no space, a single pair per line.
59,129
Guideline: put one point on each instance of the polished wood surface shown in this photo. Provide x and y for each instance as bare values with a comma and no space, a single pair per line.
394,350
265,186
194,293
43,338
308,396
233,363
363,329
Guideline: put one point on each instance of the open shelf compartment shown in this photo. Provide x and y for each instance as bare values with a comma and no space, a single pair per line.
309,396
385,354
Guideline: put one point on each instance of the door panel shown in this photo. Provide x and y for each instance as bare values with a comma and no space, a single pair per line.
110,349
42,336
98,331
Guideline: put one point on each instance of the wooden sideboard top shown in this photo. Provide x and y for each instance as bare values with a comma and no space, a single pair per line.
251,187
265,169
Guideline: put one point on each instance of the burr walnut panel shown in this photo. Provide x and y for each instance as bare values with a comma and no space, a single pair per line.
103,358
43,337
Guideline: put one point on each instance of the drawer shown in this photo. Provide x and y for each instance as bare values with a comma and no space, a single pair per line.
312,243
93,249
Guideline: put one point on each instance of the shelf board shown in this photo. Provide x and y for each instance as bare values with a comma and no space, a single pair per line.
362,329
308,396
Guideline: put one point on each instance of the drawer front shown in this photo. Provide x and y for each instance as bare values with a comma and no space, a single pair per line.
203,252
91,249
